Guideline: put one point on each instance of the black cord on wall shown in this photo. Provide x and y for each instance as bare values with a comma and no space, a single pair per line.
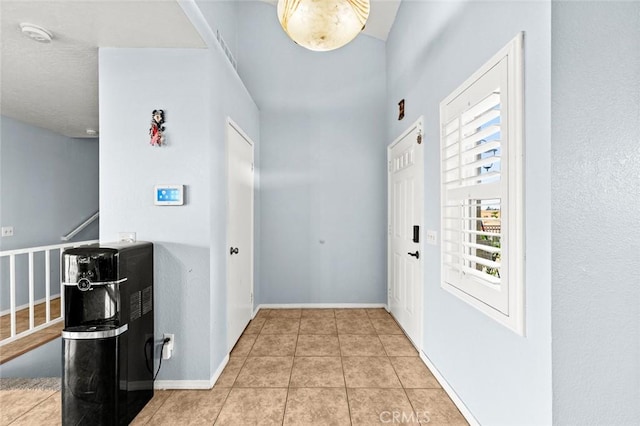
146,358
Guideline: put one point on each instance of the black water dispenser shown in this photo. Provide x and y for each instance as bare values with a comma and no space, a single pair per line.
107,341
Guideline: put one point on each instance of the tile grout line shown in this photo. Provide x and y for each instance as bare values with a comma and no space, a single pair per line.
344,378
240,370
404,390
33,408
262,326
293,360
236,378
171,392
250,349
225,400
411,404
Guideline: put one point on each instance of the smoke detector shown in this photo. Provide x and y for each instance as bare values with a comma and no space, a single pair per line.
36,33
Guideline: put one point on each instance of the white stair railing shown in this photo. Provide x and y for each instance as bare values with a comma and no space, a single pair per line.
80,227
30,282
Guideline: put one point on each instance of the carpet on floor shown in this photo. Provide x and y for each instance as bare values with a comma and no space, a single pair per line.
41,383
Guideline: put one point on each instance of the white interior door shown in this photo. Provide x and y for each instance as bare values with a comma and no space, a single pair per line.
405,211
239,232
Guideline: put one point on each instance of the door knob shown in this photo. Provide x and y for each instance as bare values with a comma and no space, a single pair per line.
233,250
416,254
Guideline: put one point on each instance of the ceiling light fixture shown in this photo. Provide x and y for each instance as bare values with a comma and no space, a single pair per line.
36,33
323,25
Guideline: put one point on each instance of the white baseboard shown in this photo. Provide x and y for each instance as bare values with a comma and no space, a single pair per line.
218,372
449,390
26,305
193,384
319,306
181,384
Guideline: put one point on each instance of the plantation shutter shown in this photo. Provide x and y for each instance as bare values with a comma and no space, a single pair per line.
482,181
474,152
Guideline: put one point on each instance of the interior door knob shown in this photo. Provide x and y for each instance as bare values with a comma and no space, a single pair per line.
416,254
233,250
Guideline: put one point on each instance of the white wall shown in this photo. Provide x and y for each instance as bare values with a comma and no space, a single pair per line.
503,379
197,90
595,205
322,164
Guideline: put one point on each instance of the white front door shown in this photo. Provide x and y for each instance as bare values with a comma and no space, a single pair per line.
239,232
405,212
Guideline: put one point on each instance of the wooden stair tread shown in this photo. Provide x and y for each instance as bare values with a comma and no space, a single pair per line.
27,343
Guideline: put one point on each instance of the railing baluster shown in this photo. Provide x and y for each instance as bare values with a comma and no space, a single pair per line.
15,280
47,284
61,285
12,292
31,307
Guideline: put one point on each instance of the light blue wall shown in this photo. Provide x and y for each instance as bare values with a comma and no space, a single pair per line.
229,99
49,185
503,378
222,16
43,361
197,90
134,82
323,164
595,205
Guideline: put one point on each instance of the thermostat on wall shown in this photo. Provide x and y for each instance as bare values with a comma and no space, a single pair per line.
168,195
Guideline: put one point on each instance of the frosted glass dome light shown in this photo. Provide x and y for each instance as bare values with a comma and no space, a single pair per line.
323,25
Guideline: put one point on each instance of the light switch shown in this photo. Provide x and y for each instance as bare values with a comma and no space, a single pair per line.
7,231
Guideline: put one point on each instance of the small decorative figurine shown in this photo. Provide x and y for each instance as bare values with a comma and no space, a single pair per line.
157,129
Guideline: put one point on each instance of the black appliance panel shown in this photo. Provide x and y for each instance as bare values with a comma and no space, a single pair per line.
108,289
98,306
90,387
97,264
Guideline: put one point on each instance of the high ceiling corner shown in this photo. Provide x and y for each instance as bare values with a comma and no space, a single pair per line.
55,85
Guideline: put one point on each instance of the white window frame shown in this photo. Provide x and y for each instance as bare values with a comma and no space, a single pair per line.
508,308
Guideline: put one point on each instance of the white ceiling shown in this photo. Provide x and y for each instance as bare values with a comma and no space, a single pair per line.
55,85
381,18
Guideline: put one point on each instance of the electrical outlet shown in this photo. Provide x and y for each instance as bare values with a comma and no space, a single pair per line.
167,348
127,237
7,231
432,237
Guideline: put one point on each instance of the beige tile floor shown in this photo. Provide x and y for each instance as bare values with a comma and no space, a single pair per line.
293,367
